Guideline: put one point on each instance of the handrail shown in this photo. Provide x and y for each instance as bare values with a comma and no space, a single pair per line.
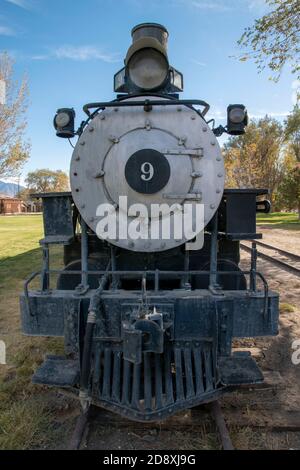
146,103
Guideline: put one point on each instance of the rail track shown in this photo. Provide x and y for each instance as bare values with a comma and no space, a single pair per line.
280,258
85,419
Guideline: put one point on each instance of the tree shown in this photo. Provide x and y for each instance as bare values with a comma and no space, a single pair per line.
44,180
292,131
274,39
289,189
255,159
14,151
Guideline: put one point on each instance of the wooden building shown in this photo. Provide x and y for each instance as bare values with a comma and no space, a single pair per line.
10,205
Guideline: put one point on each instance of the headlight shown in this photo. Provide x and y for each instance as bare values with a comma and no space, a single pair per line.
62,120
237,115
148,69
237,119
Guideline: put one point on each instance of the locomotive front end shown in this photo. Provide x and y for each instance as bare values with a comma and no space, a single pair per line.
151,295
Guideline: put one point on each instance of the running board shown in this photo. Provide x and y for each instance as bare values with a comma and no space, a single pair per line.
239,369
57,371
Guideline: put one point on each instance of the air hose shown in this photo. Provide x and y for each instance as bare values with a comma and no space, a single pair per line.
88,343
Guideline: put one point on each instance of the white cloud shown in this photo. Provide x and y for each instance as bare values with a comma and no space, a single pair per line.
20,3
219,6
198,62
216,6
84,53
78,53
40,57
6,31
262,114
259,6
220,114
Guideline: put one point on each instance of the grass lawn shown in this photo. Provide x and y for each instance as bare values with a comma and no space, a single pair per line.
284,220
24,415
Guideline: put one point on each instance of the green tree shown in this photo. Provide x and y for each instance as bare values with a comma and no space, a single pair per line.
44,180
14,150
292,131
255,159
289,189
273,40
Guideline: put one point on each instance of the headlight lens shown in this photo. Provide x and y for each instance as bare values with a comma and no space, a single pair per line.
237,115
148,69
62,120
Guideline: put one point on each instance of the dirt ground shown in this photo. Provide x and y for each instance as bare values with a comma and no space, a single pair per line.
288,240
262,418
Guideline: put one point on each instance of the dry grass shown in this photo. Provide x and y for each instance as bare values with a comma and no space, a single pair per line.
24,417
287,308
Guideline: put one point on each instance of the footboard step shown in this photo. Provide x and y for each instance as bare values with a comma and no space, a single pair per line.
239,369
57,371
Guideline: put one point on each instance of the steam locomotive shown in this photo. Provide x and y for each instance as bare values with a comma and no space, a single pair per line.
148,321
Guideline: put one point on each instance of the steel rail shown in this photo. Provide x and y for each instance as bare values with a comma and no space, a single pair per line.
273,260
221,425
288,254
78,433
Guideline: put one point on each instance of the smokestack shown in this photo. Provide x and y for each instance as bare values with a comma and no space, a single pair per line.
152,30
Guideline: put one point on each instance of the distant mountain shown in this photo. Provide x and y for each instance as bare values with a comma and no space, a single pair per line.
11,189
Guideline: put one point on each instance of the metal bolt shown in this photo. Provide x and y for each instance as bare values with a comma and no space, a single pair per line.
114,139
82,143
193,118
102,117
100,174
91,129
218,191
179,109
219,159
77,159
213,142
212,206
220,175
204,129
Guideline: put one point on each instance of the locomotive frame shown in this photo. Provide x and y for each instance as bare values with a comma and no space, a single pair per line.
198,326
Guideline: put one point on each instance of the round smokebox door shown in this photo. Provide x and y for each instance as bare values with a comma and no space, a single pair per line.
147,171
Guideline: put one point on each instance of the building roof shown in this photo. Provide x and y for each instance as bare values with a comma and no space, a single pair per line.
9,198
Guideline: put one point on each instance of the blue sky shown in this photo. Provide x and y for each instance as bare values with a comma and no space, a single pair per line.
70,51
